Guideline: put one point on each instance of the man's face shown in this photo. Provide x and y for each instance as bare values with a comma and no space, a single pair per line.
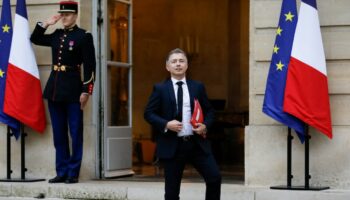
177,65
68,19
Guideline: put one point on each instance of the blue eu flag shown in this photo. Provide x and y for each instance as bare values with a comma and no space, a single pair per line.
5,46
276,80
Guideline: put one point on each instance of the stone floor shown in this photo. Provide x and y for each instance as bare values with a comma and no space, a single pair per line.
148,184
24,198
136,190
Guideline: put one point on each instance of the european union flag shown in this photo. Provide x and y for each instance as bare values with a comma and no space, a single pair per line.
5,46
276,80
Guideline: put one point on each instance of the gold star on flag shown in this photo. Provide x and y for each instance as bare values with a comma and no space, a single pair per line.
289,16
2,73
280,66
279,31
275,49
5,29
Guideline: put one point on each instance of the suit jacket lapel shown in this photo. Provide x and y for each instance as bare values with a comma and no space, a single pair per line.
191,92
170,88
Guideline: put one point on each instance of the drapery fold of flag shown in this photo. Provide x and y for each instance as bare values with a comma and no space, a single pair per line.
306,94
5,45
276,80
23,94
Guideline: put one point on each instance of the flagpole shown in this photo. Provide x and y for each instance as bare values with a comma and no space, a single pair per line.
23,159
289,164
289,158
23,153
307,176
8,156
23,168
307,157
9,135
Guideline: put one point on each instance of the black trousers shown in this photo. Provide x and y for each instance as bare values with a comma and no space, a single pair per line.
190,152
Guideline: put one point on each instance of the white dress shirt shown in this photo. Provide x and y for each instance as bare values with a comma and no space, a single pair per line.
186,108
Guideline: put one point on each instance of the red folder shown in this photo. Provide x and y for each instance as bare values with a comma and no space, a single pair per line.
197,116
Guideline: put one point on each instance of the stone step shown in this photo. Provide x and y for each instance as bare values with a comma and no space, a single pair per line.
26,198
132,190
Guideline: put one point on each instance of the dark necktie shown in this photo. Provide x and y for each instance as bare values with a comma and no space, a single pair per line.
179,100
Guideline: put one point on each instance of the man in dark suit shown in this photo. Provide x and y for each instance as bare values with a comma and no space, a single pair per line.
169,110
66,92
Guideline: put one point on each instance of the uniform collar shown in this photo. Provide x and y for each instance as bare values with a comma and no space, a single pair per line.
75,27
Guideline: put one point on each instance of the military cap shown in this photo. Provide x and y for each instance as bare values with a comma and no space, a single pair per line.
68,7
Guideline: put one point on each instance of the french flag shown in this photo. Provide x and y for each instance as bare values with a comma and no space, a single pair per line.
23,94
306,93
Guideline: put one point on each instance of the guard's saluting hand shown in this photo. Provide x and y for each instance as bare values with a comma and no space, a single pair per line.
52,20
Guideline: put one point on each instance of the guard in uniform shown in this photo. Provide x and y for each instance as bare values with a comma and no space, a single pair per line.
67,89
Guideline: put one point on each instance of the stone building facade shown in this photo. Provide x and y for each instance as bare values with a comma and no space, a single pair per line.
264,139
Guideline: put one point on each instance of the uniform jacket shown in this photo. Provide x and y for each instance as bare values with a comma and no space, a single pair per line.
161,108
70,49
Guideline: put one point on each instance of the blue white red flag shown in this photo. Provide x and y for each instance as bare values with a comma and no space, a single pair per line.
5,45
306,94
23,94
276,80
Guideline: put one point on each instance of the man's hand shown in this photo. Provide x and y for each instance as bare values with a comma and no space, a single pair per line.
84,97
201,129
174,125
52,20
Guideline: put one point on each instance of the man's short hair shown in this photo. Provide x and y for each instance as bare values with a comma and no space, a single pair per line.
174,51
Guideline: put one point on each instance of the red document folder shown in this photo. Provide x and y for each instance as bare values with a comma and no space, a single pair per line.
197,116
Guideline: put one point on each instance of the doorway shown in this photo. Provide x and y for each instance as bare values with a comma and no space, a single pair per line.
215,34
115,31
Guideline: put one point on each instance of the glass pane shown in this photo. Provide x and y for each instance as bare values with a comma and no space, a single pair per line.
118,30
118,96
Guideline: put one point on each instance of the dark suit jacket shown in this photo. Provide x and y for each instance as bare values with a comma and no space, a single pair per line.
161,108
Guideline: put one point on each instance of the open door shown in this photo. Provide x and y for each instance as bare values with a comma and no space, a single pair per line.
116,87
